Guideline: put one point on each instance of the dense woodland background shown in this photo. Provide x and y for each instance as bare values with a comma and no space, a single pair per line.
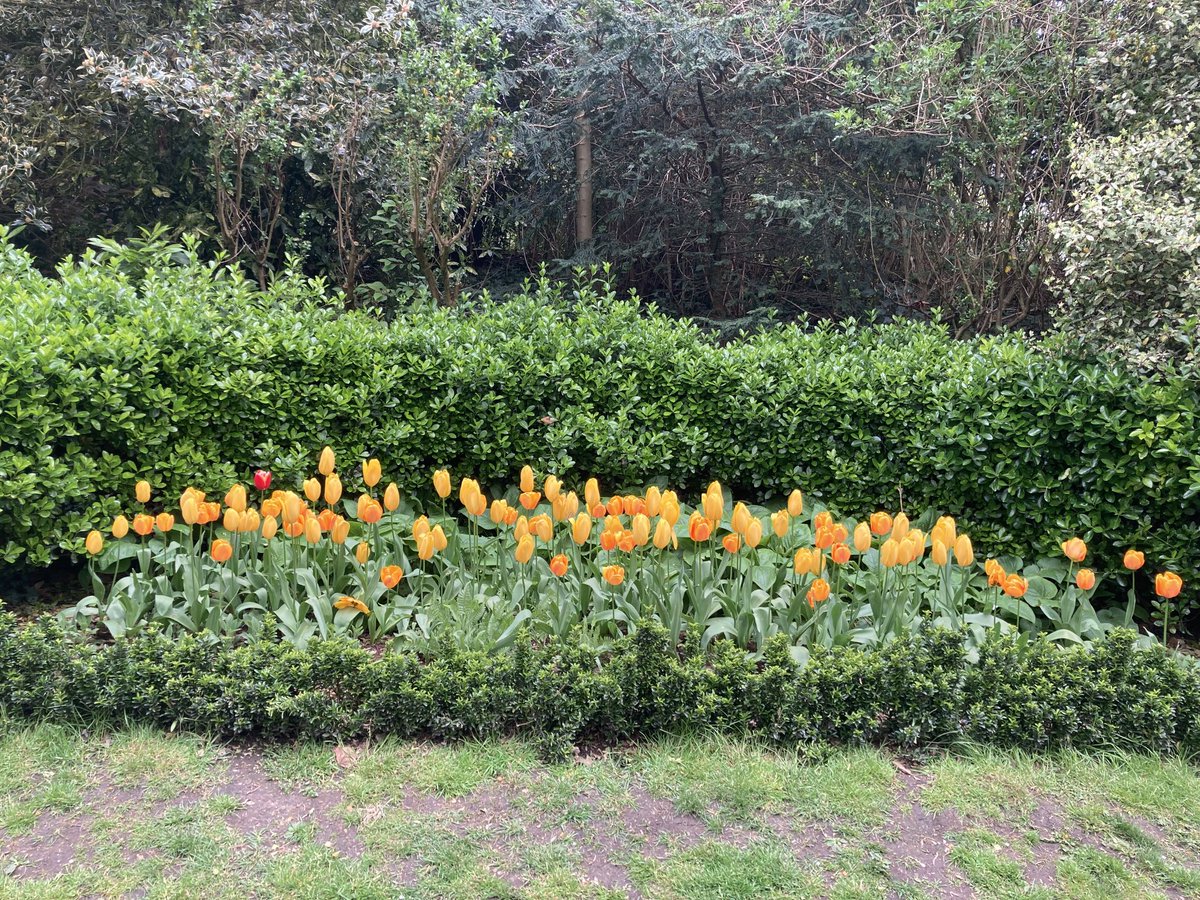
1011,163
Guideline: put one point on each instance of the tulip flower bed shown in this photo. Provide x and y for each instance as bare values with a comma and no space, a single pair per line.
270,563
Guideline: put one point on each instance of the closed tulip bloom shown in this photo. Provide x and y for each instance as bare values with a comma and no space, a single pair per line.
939,554
862,537
740,519
143,524
270,525
641,529
120,527
362,552
964,553
1167,585
262,480
530,499
713,505
250,520
552,488
823,519
525,547
420,526
497,511
391,497
808,561
292,505
521,529
312,490
94,542
339,531
753,534
900,526
333,489
467,488
591,493
527,482
614,575
312,530
294,529
947,530
664,535
572,508
581,528
1134,560
995,573
142,491
824,537
510,516
478,505
615,506
189,509
906,552
889,553
372,472
325,463
795,504
390,576
670,510
1074,549
231,520
1085,579
608,540
881,523
560,508
542,528
653,501
840,553
221,550
441,483
698,528
818,593
370,512
164,522
559,565
781,522
840,532
1015,586
236,497
732,543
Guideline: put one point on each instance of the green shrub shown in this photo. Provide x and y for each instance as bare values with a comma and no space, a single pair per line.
188,375
919,692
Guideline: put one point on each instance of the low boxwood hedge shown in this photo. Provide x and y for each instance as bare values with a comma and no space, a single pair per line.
918,693
187,374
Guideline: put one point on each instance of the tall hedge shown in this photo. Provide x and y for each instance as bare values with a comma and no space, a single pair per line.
186,374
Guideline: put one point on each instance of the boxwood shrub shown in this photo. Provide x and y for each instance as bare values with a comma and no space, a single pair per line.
184,373
918,693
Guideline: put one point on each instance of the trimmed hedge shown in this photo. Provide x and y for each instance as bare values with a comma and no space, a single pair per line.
188,374
918,693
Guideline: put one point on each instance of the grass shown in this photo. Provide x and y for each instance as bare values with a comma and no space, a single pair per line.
140,811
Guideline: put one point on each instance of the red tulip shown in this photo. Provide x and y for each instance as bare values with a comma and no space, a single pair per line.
262,480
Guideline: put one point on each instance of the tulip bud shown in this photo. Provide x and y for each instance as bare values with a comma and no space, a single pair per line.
362,552
525,548
753,533
1167,585
881,523
713,504
670,510
425,547
164,522
527,483
530,499
964,553
664,535
143,524
542,528
840,554
340,531
94,543
189,509
818,593
781,523
312,490
641,529
551,488
142,491
269,527
653,501
591,493
862,537
581,528
1015,586
391,497
231,520
900,526
333,489
372,472
370,512
795,504
1085,579
699,530
1074,549
478,504
325,464
889,553
939,554
441,483
120,527
521,529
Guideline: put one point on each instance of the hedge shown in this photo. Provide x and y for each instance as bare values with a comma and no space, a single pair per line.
918,693
187,374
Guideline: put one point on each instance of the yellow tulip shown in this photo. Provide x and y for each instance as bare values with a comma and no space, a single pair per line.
325,464
889,553
795,504
591,493
664,535
312,530
438,536
312,490
527,483
552,488
524,551
94,543
333,489
142,491
581,528
425,547
964,553
641,529
291,508
269,527
740,519
468,489
189,509
560,508
713,503
939,554
498,511
572,506
542,527
120,527
478,505
670,510
900,526
653,501
340,531
441,483
862,537
236,497
521,528
946,530
391,497
362,552
372,472
250,520
420,527
231,520
781,523
753,533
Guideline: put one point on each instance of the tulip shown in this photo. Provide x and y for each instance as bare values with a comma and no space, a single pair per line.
391,497
530,499
625,542
441,483
120,527
862,537
698,528
615,506
900,526
946,530
840,553
995,573
209,512
581,528
572,505
939,554
250,520
781,522
1015,586
353,603
143,524
964,553
231,520
1074,549
753,533
333,489
889,553
670,510
510,516
339,531
291,507
560,508
808,561
390,576
312,490
269,527
94,542
1085,579
497,511
370,512
608,540
664,535
640,528
614,575
189,509
542,528
467,488
818,593
312,530
142,491
221,550
653,501
325,463
262,480
824,537
795,503
372,472
559,565
713,504
731,542
235,497
591,493
552,488
1134,560
524,551
362,552
881,523
906,552
479,505
1167,585
527,482
740,520
164,522
295,529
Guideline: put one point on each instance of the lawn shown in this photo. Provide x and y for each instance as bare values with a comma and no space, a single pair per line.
143,813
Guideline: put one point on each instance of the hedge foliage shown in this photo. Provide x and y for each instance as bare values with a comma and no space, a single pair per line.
118,369
917,693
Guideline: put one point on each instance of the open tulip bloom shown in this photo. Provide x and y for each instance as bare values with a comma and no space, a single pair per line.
340,554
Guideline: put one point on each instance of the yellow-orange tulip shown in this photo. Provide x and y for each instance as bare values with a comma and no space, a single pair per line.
521,528
120,527
670,510
339,531
369,511
824,537
142,491
164,522
698,528
1074,549
795,504
995,573
143,524
467,488
390,576
964,553
272,507
1085,579
270,525
731,542
818,593
614,575
1015,586
808,561
250,520
231,520
326,519
391,497
840,553
552,488
221,550
559,565
441,483
653,501
325,463
524,551
333,489
781,522
881,523
312,490
426,547
939,553
753,533
478,505
713,504
345,602
640,527
608,540
542,528
527,482
1167,585
740,519
889,553
591,493
372,472
560,508
362,552
946,530
497,511
189,510
420,527
581,528
292,505
235,497
94,542
862,537
1134,560
900,526
530,499
664,535
312,530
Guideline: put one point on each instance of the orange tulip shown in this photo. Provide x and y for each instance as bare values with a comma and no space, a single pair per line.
698,528
732,543
818,592
353,603
781,522
143,524
441,483
221,550
881,523
362,552
142,491
164,522
120,527
94,543
824,538
614,575
530,499
527,482
391,497
808,561
325,463
372,472
1074,549
889,553
1134,560
795,504
615,506
559,565
1085,579
862,537
326,519
294,529
1167,585
390,576
823,519
425,547
542,528
1015,586
625,542
938,553
525,547
591,493
370,511
608,540
900,526
840,554
653,501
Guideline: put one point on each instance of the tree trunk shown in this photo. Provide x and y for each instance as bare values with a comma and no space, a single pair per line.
583,182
